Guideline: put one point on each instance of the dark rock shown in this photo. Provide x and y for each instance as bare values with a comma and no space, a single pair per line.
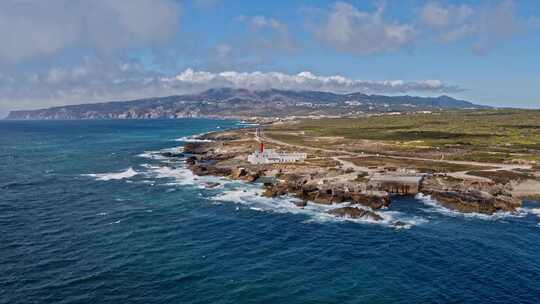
171,154
372,201
355,213
399,224
191,160
275,190
474,201
244,174
300,204
194,148
239,172
199,169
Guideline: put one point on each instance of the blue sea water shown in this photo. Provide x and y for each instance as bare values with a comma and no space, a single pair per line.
90,214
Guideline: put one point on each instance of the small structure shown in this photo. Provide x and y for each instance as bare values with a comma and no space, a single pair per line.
399,184
270,156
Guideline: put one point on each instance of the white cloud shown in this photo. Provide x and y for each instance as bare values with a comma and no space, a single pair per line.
451,22
351,30
301,81
95,80
30,29
269,33
441,17
486,25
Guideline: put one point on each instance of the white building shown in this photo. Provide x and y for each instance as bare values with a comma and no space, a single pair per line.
269,156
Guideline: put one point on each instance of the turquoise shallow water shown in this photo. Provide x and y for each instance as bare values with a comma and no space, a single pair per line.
88,214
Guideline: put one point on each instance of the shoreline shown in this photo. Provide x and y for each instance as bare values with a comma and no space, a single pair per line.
316,181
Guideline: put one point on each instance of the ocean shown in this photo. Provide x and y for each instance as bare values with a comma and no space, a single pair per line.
89,213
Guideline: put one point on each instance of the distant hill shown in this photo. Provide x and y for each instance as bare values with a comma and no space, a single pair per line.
241,103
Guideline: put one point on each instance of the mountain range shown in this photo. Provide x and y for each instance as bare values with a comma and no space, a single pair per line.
242,103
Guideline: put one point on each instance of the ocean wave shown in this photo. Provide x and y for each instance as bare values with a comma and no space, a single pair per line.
247,124
182,176
152,155
437,207
251,197
193,138
114,176
157,155
535,211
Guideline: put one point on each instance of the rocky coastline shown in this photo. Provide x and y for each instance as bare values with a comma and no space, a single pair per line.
315,182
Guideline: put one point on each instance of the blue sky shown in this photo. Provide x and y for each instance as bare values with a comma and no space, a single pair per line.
67,52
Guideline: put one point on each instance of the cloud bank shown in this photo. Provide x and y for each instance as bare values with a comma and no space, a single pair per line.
302,81
349,29
99,81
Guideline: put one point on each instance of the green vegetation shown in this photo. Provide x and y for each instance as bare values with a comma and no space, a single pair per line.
482,135
502,176
418,165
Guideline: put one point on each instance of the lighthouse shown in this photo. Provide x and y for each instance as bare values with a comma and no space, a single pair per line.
258,137
269,156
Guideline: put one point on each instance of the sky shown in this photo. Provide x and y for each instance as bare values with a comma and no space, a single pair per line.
61,52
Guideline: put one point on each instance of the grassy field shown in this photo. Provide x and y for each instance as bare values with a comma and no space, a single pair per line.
488,135
502,177
420,166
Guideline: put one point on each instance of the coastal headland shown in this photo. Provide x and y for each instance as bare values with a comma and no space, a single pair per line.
468,161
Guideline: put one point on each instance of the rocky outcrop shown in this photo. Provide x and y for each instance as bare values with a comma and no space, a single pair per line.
171,154
220,158
195,148
245,175
470,195
355,213
327,196
476,201
200,169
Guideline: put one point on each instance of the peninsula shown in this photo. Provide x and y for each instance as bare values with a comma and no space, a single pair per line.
484,161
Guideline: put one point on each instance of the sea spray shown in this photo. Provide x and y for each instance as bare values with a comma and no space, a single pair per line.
437,207
114,176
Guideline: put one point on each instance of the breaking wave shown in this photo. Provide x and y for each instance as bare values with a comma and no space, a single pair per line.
247,124
115,175
193,138
180,175
250,196
158,155
535,211
221,189
437,207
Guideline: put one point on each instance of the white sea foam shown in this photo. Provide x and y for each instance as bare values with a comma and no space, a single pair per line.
535,211
251,196
157,155
115,175
152,155
182,176
437,207
247,124
193,138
